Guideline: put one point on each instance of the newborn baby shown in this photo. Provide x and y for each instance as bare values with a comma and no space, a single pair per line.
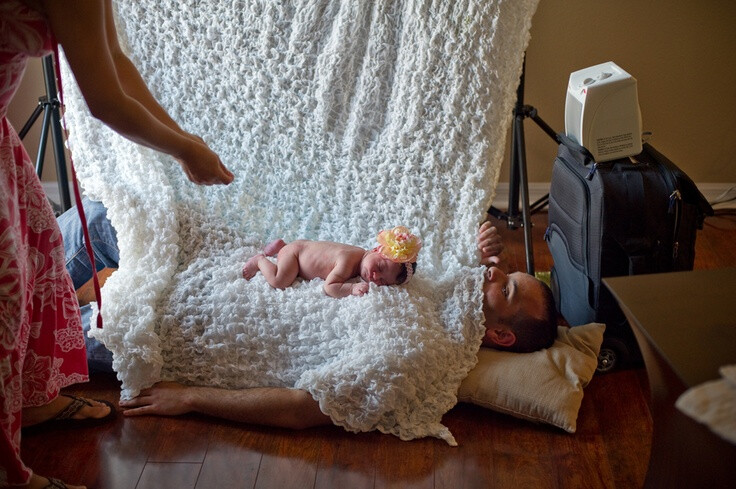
392,262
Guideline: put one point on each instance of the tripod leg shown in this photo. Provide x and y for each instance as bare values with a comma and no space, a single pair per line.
60,157
42,140
29,123
524,187
513,208
57,134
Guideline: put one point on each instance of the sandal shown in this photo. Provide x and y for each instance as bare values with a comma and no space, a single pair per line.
65,416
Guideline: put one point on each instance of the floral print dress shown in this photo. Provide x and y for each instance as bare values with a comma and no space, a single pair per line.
41,339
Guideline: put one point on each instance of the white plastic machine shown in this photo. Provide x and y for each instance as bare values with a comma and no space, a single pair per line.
602,112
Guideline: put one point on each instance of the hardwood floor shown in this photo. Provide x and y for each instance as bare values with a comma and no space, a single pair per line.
609,450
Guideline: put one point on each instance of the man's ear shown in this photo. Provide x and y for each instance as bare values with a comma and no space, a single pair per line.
500,336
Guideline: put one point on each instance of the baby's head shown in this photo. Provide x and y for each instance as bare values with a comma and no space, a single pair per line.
382,271
393,261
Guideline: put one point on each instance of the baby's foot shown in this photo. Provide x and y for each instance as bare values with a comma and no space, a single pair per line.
274,247
251,267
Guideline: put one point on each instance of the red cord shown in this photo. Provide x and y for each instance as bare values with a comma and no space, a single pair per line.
77,197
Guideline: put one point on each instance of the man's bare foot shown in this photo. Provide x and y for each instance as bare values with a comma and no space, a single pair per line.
251,266
272,248
41,482
39,414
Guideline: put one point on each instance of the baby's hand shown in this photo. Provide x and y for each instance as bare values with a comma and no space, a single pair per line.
360,288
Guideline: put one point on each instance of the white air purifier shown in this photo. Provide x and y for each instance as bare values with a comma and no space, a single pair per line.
602,112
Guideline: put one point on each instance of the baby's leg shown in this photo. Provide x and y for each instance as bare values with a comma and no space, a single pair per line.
251,266
274,247
283,273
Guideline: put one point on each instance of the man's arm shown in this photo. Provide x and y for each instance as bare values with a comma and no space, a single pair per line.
268,406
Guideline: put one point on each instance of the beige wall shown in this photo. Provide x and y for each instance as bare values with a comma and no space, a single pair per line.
683,54
22,106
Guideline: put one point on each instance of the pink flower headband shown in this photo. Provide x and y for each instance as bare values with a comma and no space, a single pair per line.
399,246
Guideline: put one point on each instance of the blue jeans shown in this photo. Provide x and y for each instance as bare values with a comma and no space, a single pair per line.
105,247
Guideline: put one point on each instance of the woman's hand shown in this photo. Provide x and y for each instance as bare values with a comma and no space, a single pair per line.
202,165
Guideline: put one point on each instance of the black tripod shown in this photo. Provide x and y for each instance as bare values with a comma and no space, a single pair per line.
49,105
518,178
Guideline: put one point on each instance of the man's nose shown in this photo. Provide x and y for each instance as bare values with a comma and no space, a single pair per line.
495,274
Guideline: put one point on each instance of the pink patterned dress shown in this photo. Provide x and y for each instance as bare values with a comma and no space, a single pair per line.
41,339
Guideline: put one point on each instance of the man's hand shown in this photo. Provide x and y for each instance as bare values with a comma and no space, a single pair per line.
269,406
165,398
491,246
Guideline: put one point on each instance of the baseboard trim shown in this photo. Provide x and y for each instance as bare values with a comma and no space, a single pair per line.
537,190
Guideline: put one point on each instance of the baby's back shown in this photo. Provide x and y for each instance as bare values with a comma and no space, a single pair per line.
318,258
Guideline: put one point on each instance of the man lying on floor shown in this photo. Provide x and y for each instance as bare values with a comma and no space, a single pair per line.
519,316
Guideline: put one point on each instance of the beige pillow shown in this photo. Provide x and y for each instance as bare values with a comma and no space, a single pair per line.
545,386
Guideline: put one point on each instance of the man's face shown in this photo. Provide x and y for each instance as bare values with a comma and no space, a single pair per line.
379,270
505,295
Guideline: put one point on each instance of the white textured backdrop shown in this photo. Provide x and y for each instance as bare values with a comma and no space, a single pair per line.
338,118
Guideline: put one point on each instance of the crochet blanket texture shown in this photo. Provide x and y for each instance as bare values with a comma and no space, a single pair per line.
339,119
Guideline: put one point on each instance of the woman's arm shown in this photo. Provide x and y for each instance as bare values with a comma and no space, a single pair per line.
81,27
268,406
130,78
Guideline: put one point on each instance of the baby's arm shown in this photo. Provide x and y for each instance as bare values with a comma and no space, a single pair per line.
335,285
491,246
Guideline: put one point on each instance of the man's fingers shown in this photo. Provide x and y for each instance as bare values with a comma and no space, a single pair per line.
489,240
138,411
143,404
495,244
489,233
491,260
492,250
141,400
487,228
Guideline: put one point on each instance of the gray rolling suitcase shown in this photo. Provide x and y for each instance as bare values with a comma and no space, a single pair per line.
622,217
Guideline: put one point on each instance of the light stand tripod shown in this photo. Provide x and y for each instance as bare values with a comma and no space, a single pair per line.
49,105
518,178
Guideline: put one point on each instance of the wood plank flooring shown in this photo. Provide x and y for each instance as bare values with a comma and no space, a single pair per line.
609,450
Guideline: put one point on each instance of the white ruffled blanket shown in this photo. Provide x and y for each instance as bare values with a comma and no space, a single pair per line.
339,119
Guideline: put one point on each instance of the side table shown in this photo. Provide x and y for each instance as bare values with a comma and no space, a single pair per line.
685,325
